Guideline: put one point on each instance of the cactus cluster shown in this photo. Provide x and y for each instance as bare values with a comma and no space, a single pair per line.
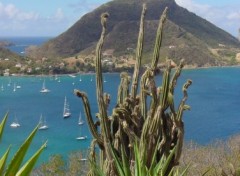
144,122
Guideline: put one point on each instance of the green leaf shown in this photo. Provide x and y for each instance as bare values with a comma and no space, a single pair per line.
126,165
118,164
28,166
3,161
185,171
167,162
138,171
95,168
153,161
2,125
15,164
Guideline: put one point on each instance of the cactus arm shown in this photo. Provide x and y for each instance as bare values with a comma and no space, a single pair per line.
172,85
175,77
125,92
99,84
139,49
123,88
179,125
90,121
143,91
158,42
165,85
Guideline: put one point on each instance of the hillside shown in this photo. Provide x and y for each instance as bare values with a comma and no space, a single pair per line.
186,35
9,60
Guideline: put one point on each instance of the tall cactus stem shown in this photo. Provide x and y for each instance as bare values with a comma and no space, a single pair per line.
138,54
158,41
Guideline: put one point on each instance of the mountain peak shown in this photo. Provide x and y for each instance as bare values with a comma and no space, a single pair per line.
190,34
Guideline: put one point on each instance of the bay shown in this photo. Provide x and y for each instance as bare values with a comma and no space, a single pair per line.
214,98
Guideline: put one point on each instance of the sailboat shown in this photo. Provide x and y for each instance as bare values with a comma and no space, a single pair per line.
9,82
44,89
80,121
81,137
14,87
15,123
42,124
104,80
66,110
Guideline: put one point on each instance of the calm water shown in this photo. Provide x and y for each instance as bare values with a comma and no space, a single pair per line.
214,98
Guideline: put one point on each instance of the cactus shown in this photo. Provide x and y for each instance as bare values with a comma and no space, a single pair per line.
137,136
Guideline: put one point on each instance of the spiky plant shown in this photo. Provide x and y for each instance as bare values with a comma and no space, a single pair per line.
15,166
139,138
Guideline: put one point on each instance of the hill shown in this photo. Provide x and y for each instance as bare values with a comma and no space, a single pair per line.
10,61
186,35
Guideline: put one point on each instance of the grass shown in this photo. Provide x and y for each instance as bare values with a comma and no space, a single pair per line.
216,158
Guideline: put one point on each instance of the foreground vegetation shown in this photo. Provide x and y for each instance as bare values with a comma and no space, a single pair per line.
16,165
219,158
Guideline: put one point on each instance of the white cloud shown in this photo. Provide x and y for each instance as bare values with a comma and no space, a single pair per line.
11,12
234,16
14,21
85,6
226,17
193,6
59,15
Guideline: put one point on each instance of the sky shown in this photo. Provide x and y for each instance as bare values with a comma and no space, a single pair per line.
53,17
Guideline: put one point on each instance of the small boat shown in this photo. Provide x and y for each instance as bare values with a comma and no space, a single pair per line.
83,159
42,124
72,76
9,82
66,110
44,89
104,80
2,88
80,78
14,88
80,121
15,123
81,137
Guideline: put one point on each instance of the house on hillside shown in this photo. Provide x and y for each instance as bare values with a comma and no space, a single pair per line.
108,53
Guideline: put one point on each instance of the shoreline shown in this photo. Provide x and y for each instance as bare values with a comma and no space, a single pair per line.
92,73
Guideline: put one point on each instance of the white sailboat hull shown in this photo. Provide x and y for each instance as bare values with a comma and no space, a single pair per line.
81,138
44,90
15,125
66,110
44,127
66,115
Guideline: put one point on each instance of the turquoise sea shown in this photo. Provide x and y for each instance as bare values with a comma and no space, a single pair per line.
214,98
